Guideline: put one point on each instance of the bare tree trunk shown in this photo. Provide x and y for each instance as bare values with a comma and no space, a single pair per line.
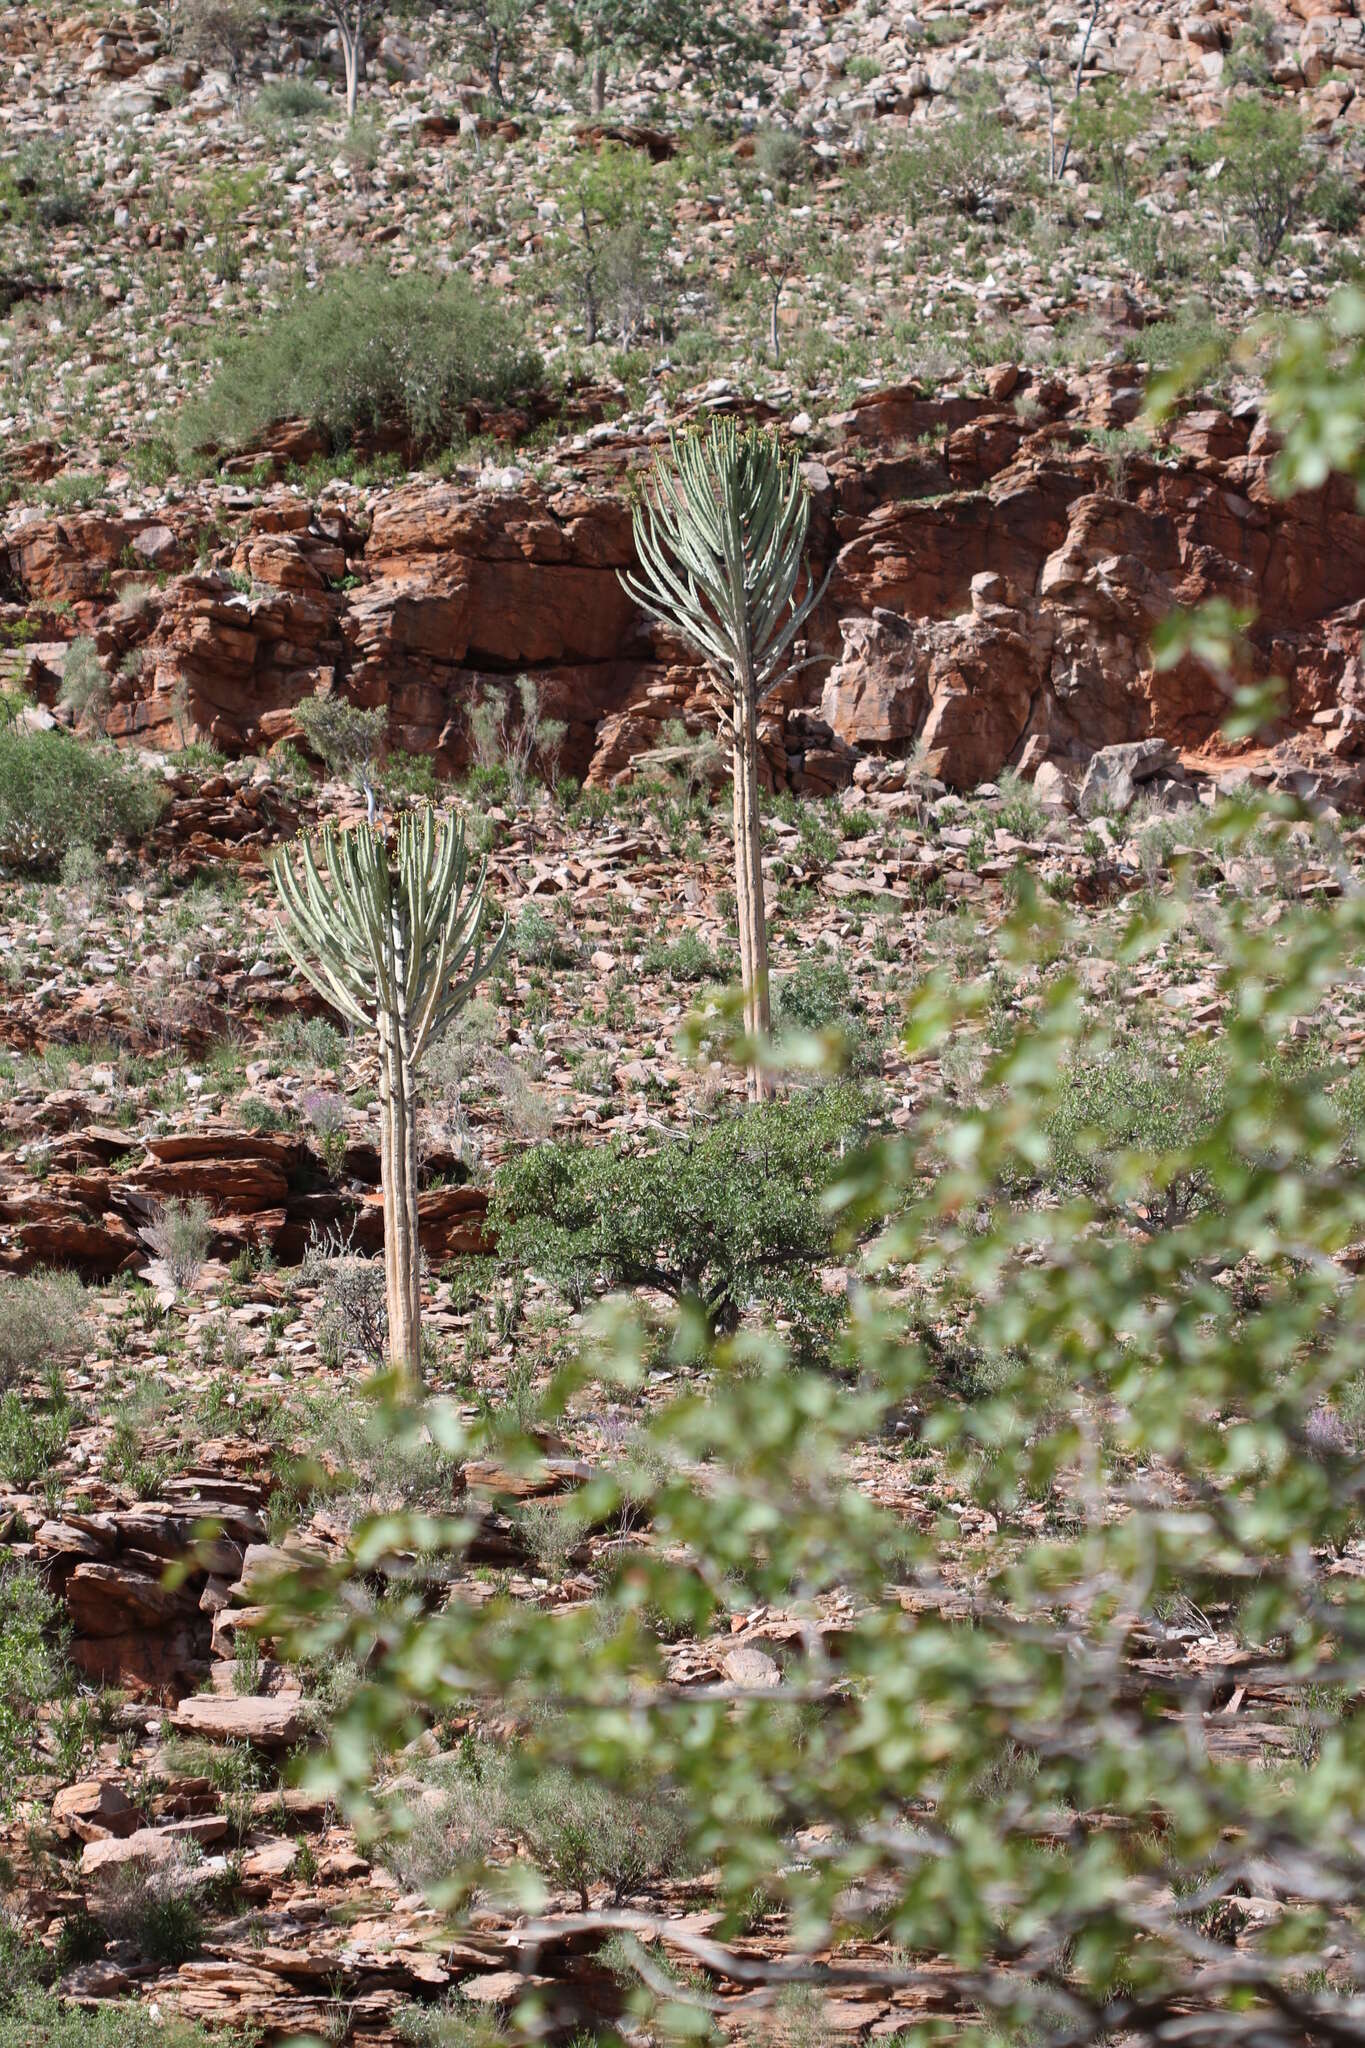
348,58
772,328
398,1141
350,28
599,83
750,906
1080,71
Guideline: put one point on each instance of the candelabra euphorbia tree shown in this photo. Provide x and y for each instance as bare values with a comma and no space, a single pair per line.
393,936
721,534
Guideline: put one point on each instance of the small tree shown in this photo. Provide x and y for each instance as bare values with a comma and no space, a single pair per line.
721,543
602,31
509,740
611,253
494,33
85,686
770,250
1039,70
1267,171
347,738
394,940
221,32
1104,128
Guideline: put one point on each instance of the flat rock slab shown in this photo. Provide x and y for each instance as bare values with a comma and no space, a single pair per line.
149,1848
272,1723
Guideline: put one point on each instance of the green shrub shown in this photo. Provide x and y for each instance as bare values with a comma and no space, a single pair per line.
726,1215
818,996
779,156
538,941
85,686
285,100
366,351
345,737
580,1833
43,1319
57,792
687,959
1335,203
969,164
39,188
1267,170
1105,124
181,1234
34,2018
1130,1118
169,1927
31,1670
32,1438
455,2023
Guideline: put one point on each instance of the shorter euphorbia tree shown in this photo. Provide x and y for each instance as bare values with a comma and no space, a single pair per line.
393,936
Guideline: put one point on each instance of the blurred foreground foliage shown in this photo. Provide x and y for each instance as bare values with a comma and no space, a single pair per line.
1001,1769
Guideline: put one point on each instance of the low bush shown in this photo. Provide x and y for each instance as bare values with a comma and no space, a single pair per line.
180,1236
31,2017
727,1215
168,1927
37,188
285,100
30,1671
511,742
56,792
818,996
969,164
687,959
43,1319
353,1318
455,2023
781,158
363,352
538,941
580,1832
85,686
346,738
32,1438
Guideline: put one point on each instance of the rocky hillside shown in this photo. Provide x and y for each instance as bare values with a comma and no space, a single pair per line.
939,249
307,417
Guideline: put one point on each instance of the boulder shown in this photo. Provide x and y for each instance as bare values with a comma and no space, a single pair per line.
95,1809
1115,773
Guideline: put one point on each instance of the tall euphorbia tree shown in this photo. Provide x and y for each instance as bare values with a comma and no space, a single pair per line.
721,534
393,938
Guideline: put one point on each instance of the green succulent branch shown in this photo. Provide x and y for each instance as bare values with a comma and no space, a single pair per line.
721,544
393,939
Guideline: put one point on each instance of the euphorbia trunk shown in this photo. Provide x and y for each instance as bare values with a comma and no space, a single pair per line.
398,1173
750,906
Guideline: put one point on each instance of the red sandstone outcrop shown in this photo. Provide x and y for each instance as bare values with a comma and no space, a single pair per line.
995,581
264,1191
